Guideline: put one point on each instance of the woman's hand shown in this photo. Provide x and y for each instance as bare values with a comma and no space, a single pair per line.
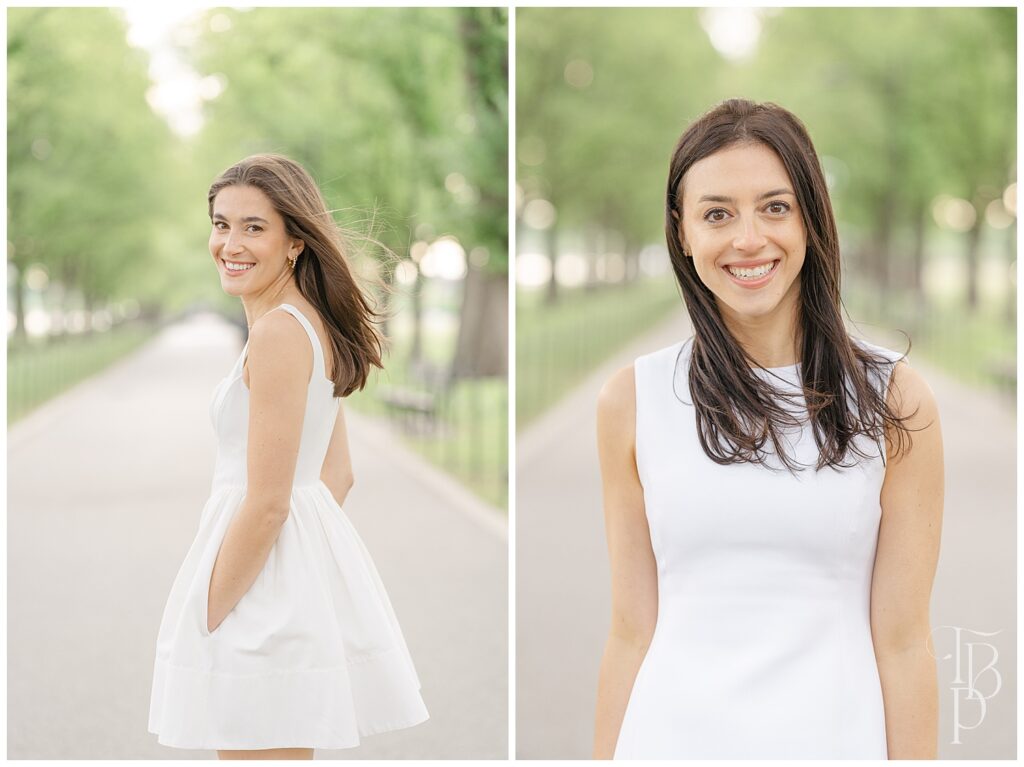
243,553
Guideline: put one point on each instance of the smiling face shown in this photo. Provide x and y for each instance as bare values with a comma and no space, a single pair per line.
742,226
248,232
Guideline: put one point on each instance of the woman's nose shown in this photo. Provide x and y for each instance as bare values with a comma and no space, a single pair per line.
750,238
230,243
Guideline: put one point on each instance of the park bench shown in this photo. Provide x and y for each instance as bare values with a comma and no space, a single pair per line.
417,404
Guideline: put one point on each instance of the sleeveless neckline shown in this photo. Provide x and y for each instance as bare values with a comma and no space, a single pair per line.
314,340
788,373
687,345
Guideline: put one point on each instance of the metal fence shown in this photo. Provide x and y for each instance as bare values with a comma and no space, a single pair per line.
38,370
977,347
558,344
460,425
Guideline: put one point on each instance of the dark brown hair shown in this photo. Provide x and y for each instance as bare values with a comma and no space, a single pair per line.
322,272
737,411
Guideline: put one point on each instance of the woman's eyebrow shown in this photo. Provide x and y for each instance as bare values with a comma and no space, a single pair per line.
245,220
721,198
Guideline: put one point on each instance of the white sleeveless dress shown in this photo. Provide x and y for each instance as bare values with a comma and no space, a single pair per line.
312,655
762,648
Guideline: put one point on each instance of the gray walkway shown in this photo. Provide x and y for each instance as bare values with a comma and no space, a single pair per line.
562,577
105,489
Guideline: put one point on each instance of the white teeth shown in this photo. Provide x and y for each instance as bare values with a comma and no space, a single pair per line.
751,274
237,268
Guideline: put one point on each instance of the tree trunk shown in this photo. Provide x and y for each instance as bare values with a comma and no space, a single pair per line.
551,294
1011,289
419,284
973,237
20,334
416,352
919,229
89,300
387,277
595,245
481,348
880,251
631,255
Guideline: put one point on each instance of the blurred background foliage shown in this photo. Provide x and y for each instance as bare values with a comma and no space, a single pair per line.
912,111
118,121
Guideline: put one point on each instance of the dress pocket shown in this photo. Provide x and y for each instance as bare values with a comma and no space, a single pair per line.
206,608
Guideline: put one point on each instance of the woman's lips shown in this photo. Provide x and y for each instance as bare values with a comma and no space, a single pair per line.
236,272
753,284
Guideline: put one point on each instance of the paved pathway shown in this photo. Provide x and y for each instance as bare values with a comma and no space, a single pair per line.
105,486
562,577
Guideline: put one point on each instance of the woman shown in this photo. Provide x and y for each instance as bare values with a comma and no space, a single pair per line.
278,636
772,543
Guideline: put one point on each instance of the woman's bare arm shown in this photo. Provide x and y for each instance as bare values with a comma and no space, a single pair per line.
633,567
905,562
279,362
336,472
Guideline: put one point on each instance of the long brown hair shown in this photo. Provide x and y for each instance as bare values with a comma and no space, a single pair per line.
322,273
737,411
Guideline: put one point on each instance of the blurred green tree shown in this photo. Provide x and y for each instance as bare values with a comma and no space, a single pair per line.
87,159
910,121
371,100
904,105
481,348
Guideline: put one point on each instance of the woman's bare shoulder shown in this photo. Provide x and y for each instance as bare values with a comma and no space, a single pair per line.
910,397
909,392
616,402
277,345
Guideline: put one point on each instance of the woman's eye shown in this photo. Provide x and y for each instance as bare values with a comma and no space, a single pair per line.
221,225
783,207
710,215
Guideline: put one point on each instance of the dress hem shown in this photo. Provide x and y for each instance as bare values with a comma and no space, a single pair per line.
379,730
332,708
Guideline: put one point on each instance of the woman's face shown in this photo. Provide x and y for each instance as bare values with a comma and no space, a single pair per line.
247,232
741,225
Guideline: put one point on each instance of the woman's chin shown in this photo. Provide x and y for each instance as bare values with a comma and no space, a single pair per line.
756,305
753,308
231,288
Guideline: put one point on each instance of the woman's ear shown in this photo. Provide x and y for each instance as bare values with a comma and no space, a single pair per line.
682,238
299,245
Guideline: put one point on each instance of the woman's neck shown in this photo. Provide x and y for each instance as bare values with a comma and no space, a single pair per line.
772,341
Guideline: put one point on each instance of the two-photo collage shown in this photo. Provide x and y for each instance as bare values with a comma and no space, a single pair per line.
511,382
